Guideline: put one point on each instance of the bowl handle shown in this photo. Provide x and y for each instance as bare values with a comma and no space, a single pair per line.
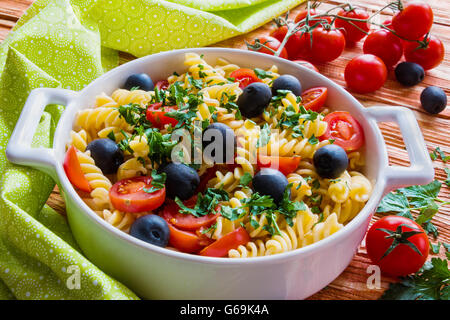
421,170
19,148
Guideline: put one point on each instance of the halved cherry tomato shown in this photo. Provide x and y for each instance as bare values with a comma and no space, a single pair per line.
244,77
314,98
229,241
129,195
162,85
204,179
185,241
171,214
285,165
73,170
344,130
156,115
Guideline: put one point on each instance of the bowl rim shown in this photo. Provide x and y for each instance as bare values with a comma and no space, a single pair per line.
356,223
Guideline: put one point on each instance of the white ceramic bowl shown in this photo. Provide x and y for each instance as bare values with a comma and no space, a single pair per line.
154,272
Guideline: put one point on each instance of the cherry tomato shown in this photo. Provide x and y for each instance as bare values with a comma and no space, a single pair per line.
414,21
344,130
403,259
306,64
186,241
312,21
385,45
156,115
129,195
387,23
162,85
293,42
327,45
244,77
73,170
205,177
314,98
353,34
188,222
285,165
229,241
365,73
429,55
273,44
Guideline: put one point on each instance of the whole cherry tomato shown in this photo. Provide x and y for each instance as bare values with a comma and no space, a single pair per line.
385,45
306,64
271,43
365,73
293,42
353,34
327,44
134,195
73,170
429,53
312,21
244,76
413,21
344,129
398,245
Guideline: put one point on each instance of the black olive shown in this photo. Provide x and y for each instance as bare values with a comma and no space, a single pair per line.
287,82
409,73
140,81
106,154
152,229
181,180
433,100
330,161
219,143
270,182
254,99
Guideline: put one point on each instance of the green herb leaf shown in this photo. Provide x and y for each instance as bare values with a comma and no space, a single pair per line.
264,136
245,179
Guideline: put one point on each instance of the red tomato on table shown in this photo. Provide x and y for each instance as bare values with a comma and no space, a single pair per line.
314,98
385,45
327,45
365,73
353,34
244,76
313,20
271,43
409,254
232,240
429,55
73,170
291,45
414,21
156,115
129,195
285,165
306,64
344,130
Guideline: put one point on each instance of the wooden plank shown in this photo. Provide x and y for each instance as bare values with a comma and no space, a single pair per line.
351,284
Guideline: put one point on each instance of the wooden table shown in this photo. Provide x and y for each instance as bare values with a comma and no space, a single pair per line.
351,284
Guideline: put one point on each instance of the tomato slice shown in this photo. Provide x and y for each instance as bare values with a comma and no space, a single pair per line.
344,129
73,170
314,98
162,85
129,195
285,165
186,241
188,222
244,77
229,241
156,115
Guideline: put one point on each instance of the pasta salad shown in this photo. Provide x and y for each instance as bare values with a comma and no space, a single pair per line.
219,161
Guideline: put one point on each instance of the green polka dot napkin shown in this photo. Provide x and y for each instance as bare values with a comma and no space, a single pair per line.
62,43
